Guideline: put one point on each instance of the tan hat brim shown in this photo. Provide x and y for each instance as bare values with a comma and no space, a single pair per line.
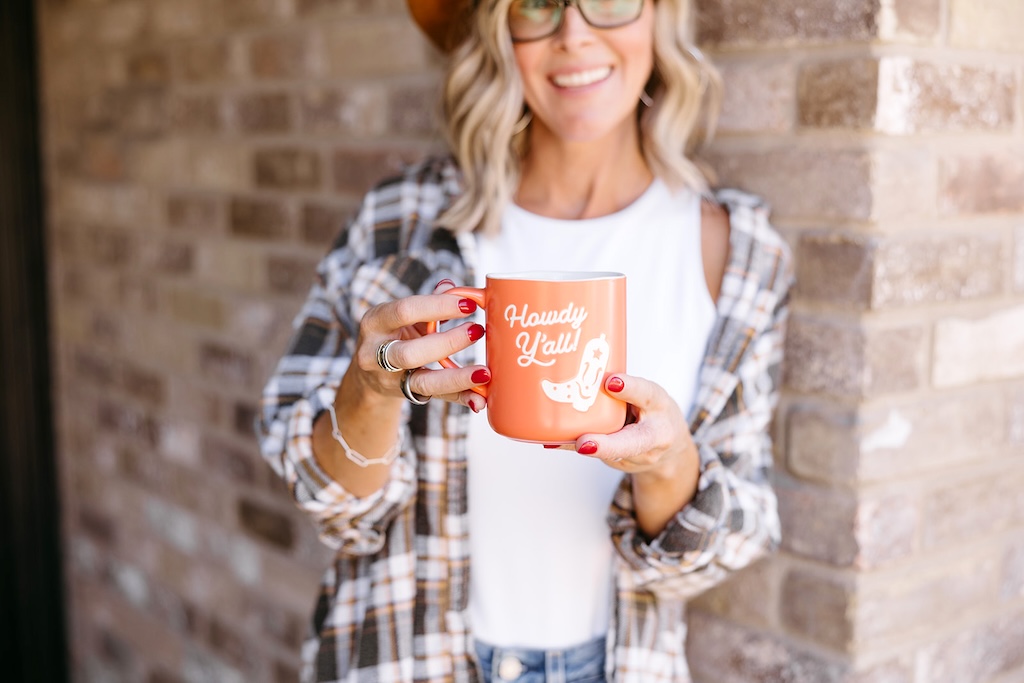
443,21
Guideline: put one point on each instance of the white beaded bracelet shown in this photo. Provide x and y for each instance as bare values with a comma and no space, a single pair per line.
354,455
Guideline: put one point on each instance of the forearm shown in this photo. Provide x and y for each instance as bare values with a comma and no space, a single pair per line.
660,493
369,423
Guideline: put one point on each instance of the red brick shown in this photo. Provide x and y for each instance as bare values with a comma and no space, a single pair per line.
837,268
206,61
194,212
220,363
815,606
922,97
239,13
291,55
723,652
287,168
259,218
757,97
197,113
975,507
838,94
290,275
266,524
886,530
230,462
842,178
356,171
353,48
354,110
979,655
751,22
817,522
148,67
263,112
322,224
839,359
932,270
415,109
920,19
982,183
908,606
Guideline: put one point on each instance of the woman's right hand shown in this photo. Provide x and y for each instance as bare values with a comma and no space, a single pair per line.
405,320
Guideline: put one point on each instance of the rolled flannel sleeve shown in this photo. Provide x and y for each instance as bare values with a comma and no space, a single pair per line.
304,382
733,518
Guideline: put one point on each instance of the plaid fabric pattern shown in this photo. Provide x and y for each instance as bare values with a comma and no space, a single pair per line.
392,607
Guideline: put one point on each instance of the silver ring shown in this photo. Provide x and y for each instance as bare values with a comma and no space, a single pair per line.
413,397
382,357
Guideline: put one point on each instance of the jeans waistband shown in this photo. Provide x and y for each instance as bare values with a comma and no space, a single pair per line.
578,664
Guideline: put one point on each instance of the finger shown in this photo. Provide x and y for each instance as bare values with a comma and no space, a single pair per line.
450,384
637,391
415,353
394,315
632,442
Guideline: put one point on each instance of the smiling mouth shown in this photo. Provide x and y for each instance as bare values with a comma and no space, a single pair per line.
578,79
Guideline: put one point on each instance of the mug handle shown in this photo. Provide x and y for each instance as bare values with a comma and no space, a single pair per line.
476,295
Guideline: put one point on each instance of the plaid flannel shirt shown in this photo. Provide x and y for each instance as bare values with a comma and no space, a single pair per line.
393,605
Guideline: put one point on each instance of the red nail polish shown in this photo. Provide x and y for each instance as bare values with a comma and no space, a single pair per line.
481,376
467,305
472,406
588,448
475,331
445,281
616,384
552,445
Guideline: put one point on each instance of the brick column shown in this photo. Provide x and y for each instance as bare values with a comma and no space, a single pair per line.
890,138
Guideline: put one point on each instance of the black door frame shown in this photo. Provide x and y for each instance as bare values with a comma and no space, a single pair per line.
33,642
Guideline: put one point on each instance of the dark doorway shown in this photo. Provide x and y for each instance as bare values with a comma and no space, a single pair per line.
32,634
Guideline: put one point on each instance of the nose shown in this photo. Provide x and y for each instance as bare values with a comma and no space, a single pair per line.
575,29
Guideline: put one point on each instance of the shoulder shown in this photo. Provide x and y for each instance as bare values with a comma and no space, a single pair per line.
756,246
427,184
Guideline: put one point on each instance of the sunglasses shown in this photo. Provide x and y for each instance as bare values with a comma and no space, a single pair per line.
537,19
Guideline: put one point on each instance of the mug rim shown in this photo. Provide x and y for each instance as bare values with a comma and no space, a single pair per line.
556,275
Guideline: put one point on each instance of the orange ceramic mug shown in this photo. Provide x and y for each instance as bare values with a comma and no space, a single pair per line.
552,339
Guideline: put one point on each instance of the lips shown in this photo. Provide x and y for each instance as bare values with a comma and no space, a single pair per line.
578,79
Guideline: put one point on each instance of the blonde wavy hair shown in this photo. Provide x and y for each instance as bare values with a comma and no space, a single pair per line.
483,103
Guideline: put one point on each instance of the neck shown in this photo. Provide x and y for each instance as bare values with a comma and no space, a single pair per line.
574,180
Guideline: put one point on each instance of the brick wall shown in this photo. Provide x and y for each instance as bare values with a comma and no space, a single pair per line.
201,155
890,138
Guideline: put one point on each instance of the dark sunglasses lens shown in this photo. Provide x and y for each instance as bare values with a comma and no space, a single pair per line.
610,13
533,19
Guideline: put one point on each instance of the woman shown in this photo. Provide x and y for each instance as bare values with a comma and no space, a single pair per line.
569,123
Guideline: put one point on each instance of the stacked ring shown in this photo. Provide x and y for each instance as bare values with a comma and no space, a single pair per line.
413,397
382,357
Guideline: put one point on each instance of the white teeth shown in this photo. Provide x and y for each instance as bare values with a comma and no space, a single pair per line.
580,78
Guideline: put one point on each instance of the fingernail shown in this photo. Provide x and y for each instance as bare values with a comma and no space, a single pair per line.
445,281
472,406
481,376
467,305
476,331
616,384
551,445
588,448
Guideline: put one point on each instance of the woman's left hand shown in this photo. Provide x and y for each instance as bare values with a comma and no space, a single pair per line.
655,439
655,447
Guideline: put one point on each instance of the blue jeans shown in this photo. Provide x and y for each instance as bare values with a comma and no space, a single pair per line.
579,664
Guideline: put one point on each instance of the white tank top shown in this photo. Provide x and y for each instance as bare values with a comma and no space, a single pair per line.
540,550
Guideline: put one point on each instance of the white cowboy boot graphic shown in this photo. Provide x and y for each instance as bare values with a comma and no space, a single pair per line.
581,391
